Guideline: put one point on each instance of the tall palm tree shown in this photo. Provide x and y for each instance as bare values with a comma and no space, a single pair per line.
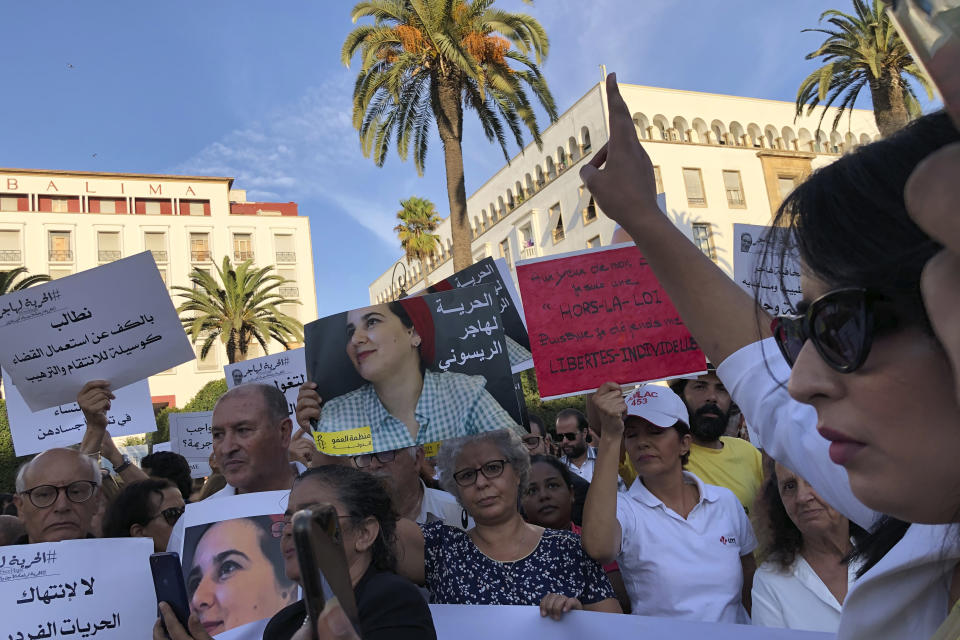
239,305
418,220
863,49
424,61
9,282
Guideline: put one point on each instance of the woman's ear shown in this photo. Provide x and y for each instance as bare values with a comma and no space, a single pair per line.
685,441
366,534
136,530
415,338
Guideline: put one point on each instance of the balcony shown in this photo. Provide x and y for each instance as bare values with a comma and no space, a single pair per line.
61,255
735,198
286,256
159,256
10,255
696,202
200,256
289,292
243,256
108,256
529,252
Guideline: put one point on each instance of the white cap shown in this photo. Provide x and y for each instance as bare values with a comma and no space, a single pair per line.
657,404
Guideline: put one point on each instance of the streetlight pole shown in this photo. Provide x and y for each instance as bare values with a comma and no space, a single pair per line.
399,281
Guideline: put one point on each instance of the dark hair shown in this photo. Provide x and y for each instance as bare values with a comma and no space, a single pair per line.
780,539
850,222
363,495
398,310
582,423
426,348
170,466
561,468
532,419
133,505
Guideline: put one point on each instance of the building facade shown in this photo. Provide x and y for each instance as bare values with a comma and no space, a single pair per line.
60,223
719,160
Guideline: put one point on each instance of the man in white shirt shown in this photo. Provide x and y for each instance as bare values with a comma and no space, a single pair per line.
572,429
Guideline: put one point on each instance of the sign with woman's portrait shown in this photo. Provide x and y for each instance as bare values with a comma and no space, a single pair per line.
411,372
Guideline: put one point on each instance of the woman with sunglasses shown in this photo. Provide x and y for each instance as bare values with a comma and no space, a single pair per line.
145,509
502,560
869,416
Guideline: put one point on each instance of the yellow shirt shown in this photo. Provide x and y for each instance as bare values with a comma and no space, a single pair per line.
738,466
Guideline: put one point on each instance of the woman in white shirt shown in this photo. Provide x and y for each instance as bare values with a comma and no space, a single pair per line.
805,543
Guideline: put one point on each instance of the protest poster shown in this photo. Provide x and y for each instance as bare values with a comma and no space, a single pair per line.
497,273
77,588
160,446
115,322
216,532
600,315
472,622
131,412
450,344
766,264
190,436
286,371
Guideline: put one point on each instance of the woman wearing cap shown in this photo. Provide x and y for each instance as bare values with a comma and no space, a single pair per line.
391,347
684,547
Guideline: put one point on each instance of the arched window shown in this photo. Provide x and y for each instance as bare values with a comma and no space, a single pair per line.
540,179
804,140
660,126
585,137
736,134
551,169
561,159
755,135
771,134
573,149
789,139
719,130
643,126
510,201
680,128
700,129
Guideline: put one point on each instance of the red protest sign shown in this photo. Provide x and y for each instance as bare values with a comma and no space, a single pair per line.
601,315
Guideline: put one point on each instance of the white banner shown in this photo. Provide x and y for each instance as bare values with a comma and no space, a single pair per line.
131,412
115,322
190,437
78,589
286,371
778,284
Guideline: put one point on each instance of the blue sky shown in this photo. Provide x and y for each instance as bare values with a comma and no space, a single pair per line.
256,91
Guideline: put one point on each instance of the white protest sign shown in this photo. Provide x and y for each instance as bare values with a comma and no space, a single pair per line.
131,412
190,437
78,588
115,322
161,446
286,371
472,622
757,266
248,525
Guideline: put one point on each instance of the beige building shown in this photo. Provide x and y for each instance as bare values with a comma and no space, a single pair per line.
719,159
60,222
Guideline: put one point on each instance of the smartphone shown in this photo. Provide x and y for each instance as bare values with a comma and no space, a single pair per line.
323,563
169,585
931,30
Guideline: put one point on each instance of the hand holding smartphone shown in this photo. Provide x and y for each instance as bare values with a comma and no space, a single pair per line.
169,584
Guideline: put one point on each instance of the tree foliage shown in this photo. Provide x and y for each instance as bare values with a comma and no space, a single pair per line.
423,61
237,306
547,410
11,280
205,399
418,220
863,49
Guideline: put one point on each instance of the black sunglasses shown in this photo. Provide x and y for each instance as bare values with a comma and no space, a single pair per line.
841,324
171,515
568,436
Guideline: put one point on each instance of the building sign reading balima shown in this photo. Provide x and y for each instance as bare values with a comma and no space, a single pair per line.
68,186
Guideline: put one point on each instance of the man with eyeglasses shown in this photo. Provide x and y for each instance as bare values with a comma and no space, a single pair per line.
538,441
572,435
57,496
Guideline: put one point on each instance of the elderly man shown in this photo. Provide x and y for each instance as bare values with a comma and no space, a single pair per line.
57,495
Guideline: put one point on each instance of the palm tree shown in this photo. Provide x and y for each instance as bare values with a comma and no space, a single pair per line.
418,219
9,282
863,49
239,305
424,61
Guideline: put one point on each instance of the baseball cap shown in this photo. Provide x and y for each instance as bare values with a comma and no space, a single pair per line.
657,404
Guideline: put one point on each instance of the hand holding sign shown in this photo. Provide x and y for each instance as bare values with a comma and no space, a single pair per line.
610,407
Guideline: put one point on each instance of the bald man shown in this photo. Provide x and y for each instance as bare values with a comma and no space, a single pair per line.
57,496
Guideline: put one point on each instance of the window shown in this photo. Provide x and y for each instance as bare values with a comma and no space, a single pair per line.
11,202
242,246
156,243
505,252
554,212
108,206
590,211
195,208
734,189
152,207
290,310
10,246
210,362
285,248
108,246
703,237
56,274
693,181
288,289
593,242
60,249
657,179
163,276
199,247
785,185
59,205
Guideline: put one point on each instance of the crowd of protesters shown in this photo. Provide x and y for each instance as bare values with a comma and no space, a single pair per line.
838,514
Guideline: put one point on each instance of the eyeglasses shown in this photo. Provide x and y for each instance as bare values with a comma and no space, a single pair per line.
46,494
171,515
492,469
364,459
841,324
532,441
568,436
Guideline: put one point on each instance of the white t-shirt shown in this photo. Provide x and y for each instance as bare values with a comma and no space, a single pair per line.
796,598
905,594
440,505
585,470
684,568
